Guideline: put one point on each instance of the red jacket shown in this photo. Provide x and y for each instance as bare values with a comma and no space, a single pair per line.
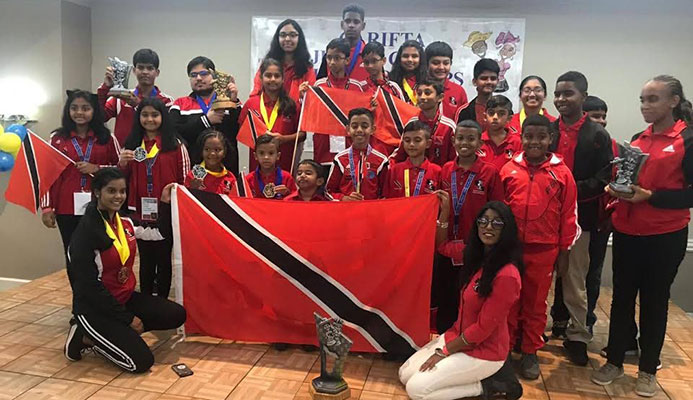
668,173
484,320
255,187
122,111
291,81
372,175
321,143
442,134
370,86
60,198
501,154
225,184
543,199
285,125
455,97
515,126
169,167
484,187
395,181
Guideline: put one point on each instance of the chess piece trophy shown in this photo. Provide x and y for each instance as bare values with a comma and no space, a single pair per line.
121,76
330,384
222,101
628,165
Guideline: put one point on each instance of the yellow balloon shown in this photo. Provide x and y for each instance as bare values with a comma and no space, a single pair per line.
10,143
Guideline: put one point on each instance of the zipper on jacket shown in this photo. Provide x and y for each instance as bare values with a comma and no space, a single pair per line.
529,193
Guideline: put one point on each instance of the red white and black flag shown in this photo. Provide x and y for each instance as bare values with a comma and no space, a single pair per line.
252,128
256,270
391,116
326,110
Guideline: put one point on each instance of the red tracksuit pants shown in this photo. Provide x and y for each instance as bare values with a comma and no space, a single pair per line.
527,318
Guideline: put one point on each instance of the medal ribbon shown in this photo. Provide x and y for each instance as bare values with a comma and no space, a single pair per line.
419,181
204,106
269,122
459,201
153,94
83,157
223,172
409,91
153,151
523,115
120,241
261,183
352,166
355,57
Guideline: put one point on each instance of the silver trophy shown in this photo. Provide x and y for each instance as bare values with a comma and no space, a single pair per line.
331,384
628,165
121,76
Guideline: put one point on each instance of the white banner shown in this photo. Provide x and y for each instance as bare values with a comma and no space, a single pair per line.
501,39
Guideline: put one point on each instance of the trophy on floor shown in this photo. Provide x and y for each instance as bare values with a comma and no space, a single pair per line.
121,76
223,101
330,384
628,165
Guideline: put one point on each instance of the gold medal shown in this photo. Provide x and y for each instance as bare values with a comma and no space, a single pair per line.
269,191
123,275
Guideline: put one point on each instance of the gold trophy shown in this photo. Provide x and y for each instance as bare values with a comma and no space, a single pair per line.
222,101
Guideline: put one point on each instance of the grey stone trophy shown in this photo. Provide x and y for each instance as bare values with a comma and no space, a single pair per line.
121,76
628,165
330,384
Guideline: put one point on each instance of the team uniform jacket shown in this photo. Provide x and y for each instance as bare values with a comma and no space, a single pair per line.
516,127
321,143
60,198
372,175
220,185
543,199
286,180
358,74
484,187
189,121
94,266
124,114
442,133
498,155
395,183
370,86
454,98
668,172
474,111
291,81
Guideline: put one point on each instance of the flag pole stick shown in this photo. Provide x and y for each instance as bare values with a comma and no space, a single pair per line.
293,156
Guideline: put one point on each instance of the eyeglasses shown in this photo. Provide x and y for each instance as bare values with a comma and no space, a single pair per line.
500,113
334,58
496,223
284,35
202,74
372,61
536,90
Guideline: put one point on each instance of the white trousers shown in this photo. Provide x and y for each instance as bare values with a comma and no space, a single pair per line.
455,376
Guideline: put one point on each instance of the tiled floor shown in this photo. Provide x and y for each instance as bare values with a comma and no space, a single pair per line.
34,321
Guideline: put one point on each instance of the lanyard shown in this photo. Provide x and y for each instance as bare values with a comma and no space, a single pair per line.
149,165
355,57
459,201
269,121
153,94
120,241
352,166
419,181
223,172
83,157
203,106
409,91
261,183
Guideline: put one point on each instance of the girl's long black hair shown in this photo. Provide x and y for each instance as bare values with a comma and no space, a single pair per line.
397,72
287,106
302,61
169,136
96,125
507,251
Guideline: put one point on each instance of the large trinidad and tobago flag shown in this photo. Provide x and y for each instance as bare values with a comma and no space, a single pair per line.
256,270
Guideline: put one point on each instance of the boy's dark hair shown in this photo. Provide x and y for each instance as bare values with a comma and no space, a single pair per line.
577,78
438,49
485,64
146,56
287,106
266,139
531,77
169,135
101,132
417,125
319,169
341,45
469,124
500,101
361,111
206,134
206,62
537,120
437,86
353,7
594,103
373,47
397,72
302,62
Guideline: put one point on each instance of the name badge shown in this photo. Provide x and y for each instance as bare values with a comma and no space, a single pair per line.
80,201
457,258
150,208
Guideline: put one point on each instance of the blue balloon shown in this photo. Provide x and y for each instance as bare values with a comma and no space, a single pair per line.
6,161
18,130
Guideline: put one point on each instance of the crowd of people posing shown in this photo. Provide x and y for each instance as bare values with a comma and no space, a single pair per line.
523,195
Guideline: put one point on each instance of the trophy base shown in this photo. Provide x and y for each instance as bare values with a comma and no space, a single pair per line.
323,389
621,188
223,104
120,92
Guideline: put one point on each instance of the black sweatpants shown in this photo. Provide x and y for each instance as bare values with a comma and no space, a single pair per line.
123,346
155,264
445,292
66,225
646,265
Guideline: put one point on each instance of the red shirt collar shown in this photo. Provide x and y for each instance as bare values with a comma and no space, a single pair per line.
150,143
90,134
430,122
424,165
476,167
672,132
486,138
339,83
377,82
269,103
572,130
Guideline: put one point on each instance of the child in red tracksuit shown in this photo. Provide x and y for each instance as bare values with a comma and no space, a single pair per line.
541,191
215,177
269,180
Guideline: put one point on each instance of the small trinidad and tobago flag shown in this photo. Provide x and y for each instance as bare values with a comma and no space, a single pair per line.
252,128
37,167
326,110
391,115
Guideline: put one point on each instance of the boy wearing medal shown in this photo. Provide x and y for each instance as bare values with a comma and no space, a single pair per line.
359,172
268,180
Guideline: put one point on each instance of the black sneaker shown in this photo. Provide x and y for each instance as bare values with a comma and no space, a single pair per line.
502,383
577,352
74,343
529,366
558,330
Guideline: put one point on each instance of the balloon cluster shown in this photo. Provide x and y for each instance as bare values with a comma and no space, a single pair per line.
10,143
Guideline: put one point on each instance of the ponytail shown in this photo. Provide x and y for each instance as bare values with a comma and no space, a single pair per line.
686,112
683,110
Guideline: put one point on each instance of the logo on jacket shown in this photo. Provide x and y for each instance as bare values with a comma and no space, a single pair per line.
668,149
227,187
479,187
430,186
437,152
509,153
453,101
